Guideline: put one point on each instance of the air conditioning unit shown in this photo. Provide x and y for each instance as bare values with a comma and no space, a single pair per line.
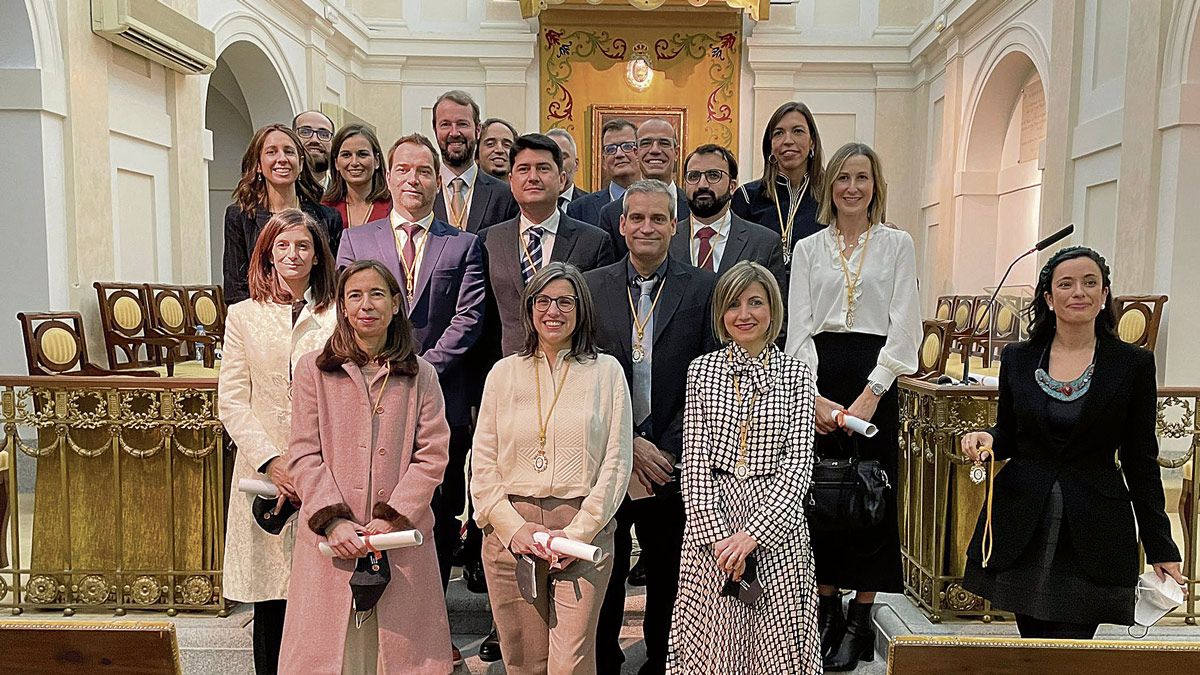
157,32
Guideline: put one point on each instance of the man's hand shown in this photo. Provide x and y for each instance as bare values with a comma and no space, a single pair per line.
651,466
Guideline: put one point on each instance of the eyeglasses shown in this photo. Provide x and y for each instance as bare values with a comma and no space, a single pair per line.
307,132
565,303
711,176
627,146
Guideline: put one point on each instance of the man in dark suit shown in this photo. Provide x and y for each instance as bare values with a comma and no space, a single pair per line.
440,269
496,137
658,156
521,246
570,165
618,145
654,343
713,237
469,199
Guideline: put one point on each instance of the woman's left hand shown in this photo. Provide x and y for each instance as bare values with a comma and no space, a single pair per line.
1170,569
864,406
731,552
379,526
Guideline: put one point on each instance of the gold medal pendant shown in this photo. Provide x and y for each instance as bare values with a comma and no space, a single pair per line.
741,471
638,353
787,255
539,462
978,473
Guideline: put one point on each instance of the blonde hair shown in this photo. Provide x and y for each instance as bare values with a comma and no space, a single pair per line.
877,209
735,282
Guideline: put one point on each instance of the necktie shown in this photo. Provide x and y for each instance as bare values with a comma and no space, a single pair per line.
531,261
704,256
458,202
563,203
410,248
642,369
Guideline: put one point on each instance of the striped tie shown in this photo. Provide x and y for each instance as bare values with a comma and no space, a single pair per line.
531,261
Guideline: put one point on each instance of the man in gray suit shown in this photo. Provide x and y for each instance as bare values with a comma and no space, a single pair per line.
469,199
519,247
713,237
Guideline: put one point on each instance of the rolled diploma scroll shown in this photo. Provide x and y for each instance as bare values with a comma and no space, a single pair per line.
384,542
989,381
258,486
858,426
575,549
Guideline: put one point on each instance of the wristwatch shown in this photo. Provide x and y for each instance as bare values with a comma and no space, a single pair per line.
877,388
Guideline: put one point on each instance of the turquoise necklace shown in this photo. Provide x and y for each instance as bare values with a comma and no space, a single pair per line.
1068,391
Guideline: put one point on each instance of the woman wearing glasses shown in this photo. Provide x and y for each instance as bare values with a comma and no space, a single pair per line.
276,175
564,474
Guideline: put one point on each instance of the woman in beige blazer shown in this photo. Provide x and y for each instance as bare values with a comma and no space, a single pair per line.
553,453
291,291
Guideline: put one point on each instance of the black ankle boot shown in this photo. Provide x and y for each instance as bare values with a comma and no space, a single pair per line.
859,643
831,623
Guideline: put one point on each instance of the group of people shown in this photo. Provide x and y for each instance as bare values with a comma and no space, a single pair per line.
663,357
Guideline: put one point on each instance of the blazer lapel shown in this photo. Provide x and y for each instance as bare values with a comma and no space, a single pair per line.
387,254
618,295
677,279
734,245
429,262
564,241
480,198
506,256
681,243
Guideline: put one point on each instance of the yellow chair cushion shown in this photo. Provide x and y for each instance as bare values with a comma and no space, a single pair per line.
943,312
206,310
127,312
961,315
1004,320
171,312
931,349
58,346
1132,326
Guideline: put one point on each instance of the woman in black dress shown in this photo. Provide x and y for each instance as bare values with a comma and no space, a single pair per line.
785,198
276,175
1064,557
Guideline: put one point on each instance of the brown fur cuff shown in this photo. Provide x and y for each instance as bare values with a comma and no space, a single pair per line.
325,515
384,511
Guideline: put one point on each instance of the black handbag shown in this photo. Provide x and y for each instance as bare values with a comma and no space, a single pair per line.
847,494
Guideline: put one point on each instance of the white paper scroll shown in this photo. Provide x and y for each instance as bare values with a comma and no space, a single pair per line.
258,486
985,380
384,542
858,426
575,549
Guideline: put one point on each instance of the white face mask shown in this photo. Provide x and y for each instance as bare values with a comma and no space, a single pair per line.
1155,599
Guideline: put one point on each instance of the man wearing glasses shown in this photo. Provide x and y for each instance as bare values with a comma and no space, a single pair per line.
315,130
658,156
713,238
618,144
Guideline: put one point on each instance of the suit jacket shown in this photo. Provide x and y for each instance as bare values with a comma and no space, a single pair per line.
746,241
241,232
1118,419
491,202
610,219
447,311
577,194
682,332
580,244
750,202
587,207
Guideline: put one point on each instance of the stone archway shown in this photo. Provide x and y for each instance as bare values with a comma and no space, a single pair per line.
245,92
998,187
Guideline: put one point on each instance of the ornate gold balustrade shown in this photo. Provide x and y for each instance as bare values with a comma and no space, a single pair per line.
939,504
129,501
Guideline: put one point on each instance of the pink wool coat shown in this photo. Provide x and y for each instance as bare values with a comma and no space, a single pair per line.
329,456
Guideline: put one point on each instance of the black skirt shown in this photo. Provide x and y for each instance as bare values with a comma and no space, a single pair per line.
860,559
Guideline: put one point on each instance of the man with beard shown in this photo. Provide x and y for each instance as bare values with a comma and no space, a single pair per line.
570,192
469,199
713,238
495,140
315,130
618,147
658,155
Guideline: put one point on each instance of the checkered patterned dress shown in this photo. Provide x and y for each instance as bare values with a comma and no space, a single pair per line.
711,633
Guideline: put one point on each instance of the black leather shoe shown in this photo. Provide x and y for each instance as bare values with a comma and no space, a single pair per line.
637,574
489,649
831,623
859,643
473,575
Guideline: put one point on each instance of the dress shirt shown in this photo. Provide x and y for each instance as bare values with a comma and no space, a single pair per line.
564,199
468,177
717,241
398,223
549,234
886,297
589,442
615,191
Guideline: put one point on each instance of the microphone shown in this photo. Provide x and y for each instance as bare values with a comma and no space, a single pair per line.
991,309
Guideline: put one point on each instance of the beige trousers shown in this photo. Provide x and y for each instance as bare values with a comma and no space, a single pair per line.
555,635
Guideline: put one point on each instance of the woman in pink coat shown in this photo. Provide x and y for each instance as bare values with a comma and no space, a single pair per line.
368,447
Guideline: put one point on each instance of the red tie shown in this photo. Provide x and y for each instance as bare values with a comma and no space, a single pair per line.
410,246
704,257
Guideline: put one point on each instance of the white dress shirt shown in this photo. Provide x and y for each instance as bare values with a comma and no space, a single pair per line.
398,223
549,235
717,241
886,298
468,177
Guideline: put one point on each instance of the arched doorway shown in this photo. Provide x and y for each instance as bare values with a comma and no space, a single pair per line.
245,92
998,190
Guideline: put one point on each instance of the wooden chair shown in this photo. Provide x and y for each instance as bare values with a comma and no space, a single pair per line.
1007,330
124,316
945,308
55,345
977,340
1138,317
935,349
961,316
171,316
207,305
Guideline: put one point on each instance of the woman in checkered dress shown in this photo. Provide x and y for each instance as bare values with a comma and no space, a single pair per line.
748,456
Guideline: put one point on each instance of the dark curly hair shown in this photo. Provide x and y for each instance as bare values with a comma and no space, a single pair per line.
1042,323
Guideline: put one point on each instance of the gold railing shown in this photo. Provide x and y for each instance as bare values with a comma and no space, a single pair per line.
128,510
939,505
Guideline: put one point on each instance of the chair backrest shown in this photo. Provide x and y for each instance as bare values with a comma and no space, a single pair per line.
945,308
935,348
124,315
54,342
981,310
1138,317
1008,323
963,306
170,311
207,307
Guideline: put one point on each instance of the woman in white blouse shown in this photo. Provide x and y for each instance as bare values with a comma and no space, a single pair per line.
853,318
552,453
